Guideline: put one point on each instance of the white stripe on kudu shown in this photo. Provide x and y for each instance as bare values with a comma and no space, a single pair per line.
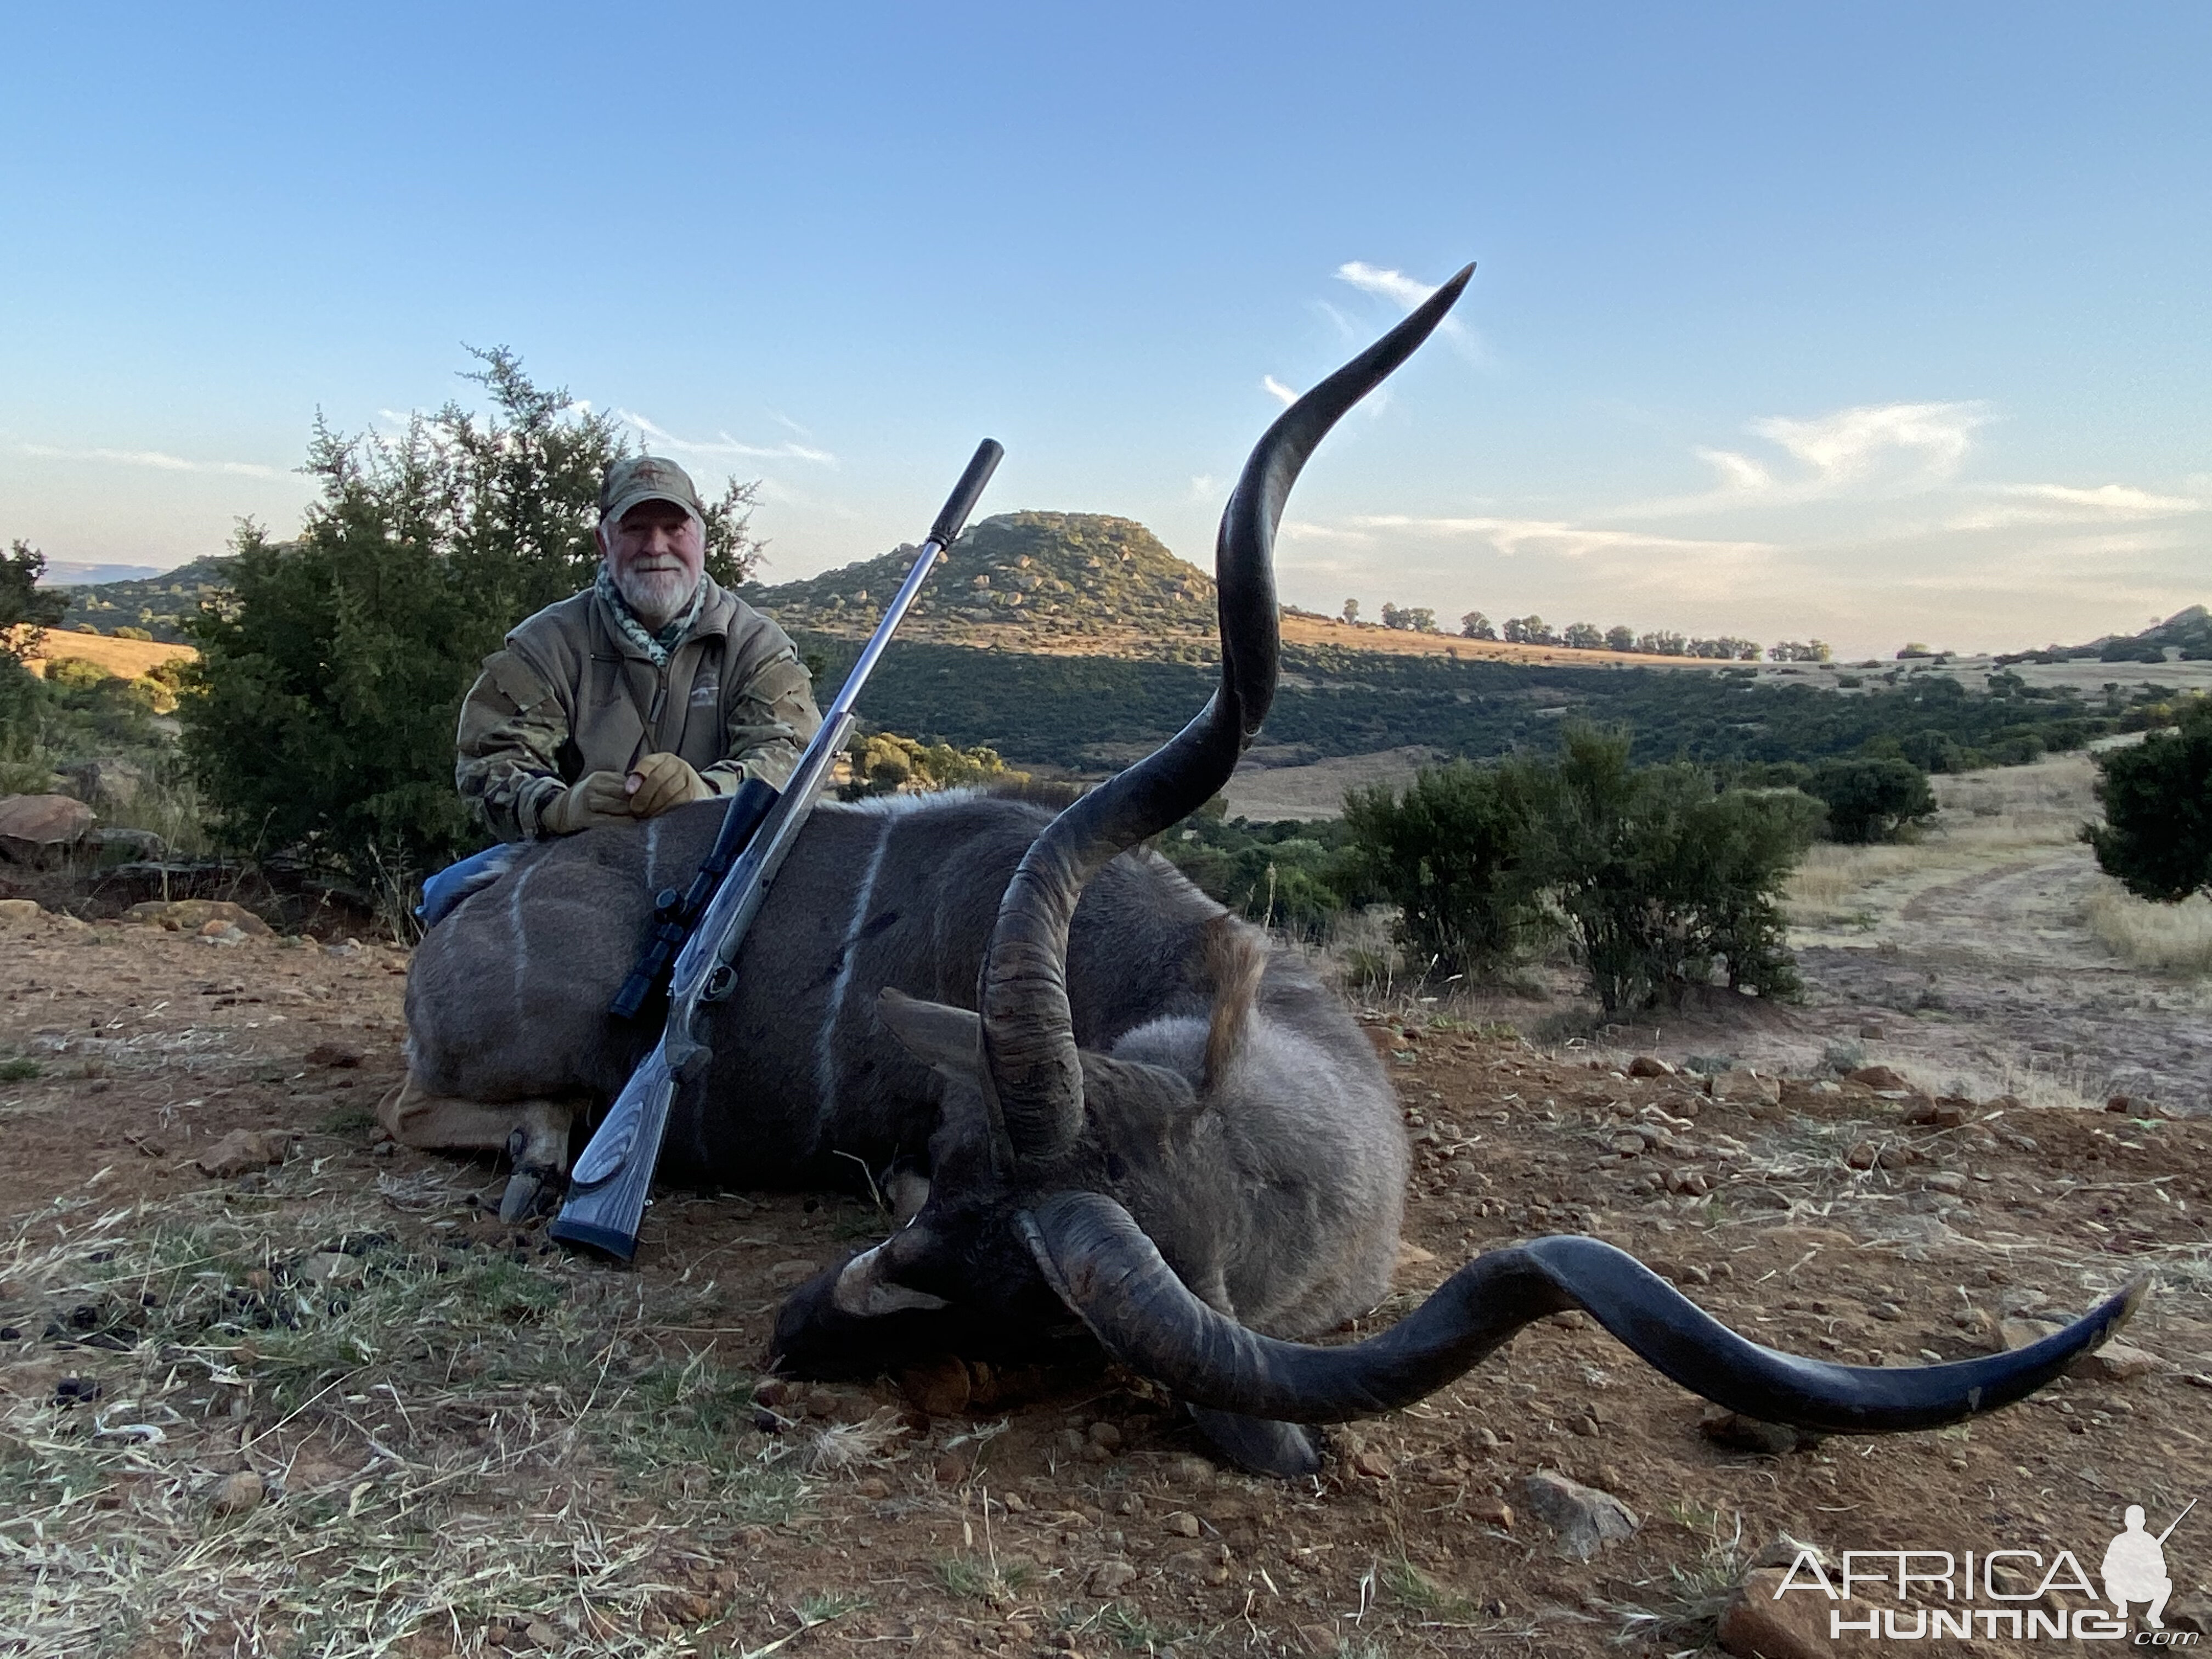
825,1045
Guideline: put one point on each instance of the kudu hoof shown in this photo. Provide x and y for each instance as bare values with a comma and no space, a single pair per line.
532,1188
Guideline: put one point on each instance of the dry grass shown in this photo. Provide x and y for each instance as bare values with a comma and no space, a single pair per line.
430,1421
125,659
2166,939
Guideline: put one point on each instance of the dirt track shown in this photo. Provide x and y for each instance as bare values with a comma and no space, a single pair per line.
464,1440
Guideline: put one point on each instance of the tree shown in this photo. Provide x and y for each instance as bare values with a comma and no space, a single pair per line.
1516,631
1871,799
1420,618
321,718
1663,642
1620,637
1448,854
1583,636
27,610
1476,626
1352,610
1662,876
2157,834
1394,617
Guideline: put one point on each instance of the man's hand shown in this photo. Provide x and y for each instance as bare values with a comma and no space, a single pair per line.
595,797
661,781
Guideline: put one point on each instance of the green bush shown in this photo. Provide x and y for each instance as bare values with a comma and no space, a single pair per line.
320,718
1450,853
1287,874
1659,877
2157,835
1663,876
1871,799
884,762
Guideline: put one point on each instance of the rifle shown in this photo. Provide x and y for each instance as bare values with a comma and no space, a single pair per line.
607,1191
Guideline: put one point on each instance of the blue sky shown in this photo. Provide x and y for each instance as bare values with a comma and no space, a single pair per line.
1870,322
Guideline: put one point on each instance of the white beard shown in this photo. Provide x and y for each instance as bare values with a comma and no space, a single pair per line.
658,596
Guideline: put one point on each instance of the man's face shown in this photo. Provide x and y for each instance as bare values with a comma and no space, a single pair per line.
654,553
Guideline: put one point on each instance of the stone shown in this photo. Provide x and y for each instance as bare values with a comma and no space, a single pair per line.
1107,1437
1947,1180
1744,1086
1863,1156
114,780
190,915
334,1055
1109,1578
332,1268
784,1275
1200,1564
244,1149
17,913
1649,1066
1755,1626
130,843
41,829
1877,1078
1947,1112
2116,1362
940,1386
1491,1512
1741,1433
239,1493
1586,1519
1182,1524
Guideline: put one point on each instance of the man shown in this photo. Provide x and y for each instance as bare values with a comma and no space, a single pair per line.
651,688
2135,1569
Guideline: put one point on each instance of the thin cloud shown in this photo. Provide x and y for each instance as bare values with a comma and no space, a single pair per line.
724,444
1509,536
1872,450
1852,444
1202,487
1274,388
157,459
2066,504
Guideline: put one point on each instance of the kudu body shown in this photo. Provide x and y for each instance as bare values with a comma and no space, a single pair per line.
1132,1112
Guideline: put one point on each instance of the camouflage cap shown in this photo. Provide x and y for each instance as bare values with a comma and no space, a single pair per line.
647,478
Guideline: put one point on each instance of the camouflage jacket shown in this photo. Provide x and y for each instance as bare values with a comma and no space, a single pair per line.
571,694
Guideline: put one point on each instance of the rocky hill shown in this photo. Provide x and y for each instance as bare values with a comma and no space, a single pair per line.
2186,634
1033,582
159,603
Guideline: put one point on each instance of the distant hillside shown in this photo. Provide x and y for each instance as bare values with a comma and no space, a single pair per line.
2186,634
1036,582
157,604
69,573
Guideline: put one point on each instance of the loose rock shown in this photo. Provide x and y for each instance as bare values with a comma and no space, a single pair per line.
1755,1626
244,1150
41,829
1109,1578
1878,1078
239,1492
1649,1066
1585,1518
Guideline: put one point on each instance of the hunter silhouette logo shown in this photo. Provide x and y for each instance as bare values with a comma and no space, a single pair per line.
1927,1595
2134,1567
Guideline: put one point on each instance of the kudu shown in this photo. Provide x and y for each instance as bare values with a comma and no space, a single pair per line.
1148,1120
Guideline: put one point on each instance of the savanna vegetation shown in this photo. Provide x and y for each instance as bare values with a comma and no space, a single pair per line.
320,717
2156,838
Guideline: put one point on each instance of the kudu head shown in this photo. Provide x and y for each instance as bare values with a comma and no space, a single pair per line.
1065,1180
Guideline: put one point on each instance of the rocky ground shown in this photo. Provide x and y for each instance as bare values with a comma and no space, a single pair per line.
269,1385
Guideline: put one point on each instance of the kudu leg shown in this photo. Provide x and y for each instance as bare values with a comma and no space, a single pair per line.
533,1134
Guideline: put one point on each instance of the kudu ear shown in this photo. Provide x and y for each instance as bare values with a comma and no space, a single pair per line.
1235,960
947,1038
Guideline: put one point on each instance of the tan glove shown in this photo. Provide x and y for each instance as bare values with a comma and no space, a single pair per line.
661,781
595,797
